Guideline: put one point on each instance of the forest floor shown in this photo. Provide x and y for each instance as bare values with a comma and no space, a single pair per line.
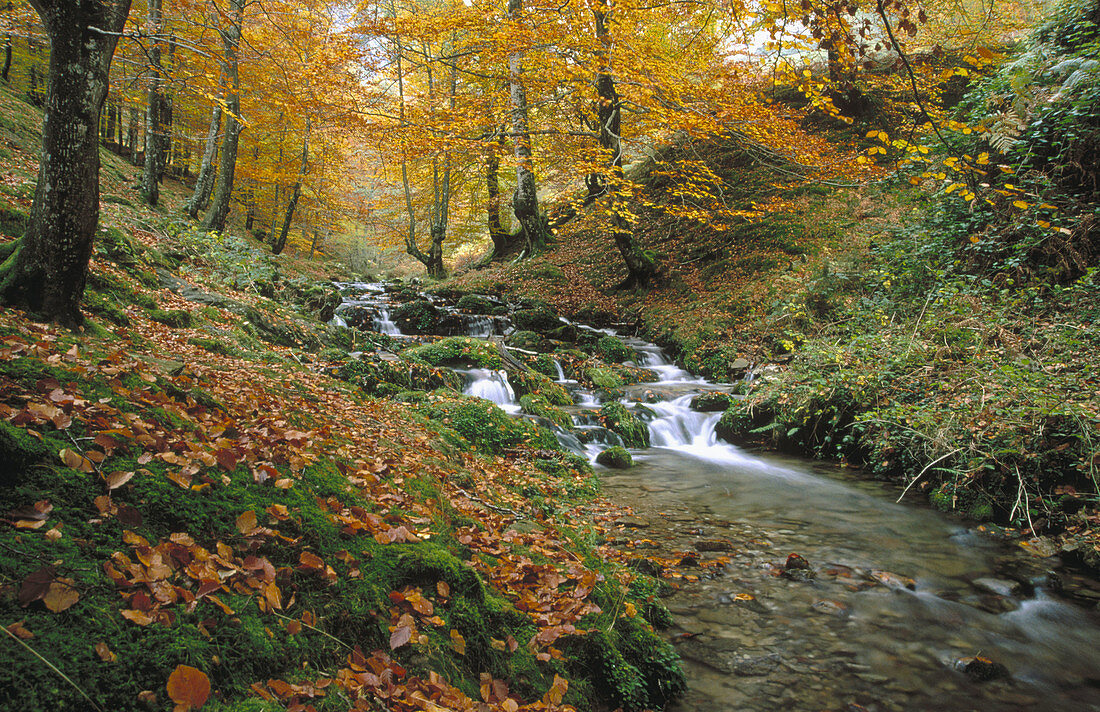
195,510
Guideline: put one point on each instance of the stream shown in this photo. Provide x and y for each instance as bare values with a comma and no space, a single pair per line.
885,606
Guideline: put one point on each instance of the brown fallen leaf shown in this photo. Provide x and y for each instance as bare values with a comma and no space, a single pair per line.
61,595
20,631
140,617
188,687
105,653
246,523
401,636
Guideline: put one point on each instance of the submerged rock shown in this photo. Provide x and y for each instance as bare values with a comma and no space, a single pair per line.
981,669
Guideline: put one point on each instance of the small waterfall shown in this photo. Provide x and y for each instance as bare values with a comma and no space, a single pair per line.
492,386
383,324
680,428
653,357
560,378
337,320
479,327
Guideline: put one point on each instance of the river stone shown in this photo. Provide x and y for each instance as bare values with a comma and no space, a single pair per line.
981,669
632,522
998,587
829,607
713,545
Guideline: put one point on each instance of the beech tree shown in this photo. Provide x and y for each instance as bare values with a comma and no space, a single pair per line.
45,271
231,42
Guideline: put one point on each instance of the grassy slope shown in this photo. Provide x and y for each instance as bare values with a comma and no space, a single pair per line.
986,393
185,484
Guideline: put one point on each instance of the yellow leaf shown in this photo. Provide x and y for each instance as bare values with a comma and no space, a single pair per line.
1020,204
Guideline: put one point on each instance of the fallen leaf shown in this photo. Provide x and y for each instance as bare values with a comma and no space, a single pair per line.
61,595
105,653
20,631
117,479
401,636
188,687
139,617
36,585
458,642
246,523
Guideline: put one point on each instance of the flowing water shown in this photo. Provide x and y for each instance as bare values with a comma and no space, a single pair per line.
897,601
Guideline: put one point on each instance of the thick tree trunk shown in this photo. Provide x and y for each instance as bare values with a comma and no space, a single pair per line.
492,183
204,183
279,244
45,271
525,202
641,269
231,40
156,112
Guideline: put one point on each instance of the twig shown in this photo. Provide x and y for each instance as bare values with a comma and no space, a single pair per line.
53,667
926,468
494,507
317,630
1022,494
917,325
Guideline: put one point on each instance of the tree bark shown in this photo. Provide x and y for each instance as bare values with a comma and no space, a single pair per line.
204,183
157,111
641,269
231,41
492,183
7,58
279,244
45,271
525,202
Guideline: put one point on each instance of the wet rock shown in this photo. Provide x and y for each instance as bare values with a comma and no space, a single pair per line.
991,603
713,545
647,567
711,402
829,607
632,522
891,580
981,669
758,666
997,587
1040,546
797,568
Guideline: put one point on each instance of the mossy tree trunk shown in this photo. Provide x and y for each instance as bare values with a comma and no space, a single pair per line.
525,202
492,183
204,182
157,113
231,42
641,270
45,271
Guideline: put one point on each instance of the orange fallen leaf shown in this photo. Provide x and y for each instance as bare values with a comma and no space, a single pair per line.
20,631
246,522
136,616
61,595
105,653
188,687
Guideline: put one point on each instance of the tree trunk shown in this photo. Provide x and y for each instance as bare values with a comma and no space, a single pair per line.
45,271
640,267
525,202
231,41
132,136
204,183
492,182
7,58
279,244
156,112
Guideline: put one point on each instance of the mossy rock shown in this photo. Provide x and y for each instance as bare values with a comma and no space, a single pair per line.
529,341
538,405
618,419
488,428
535,383
475,304
711,402
564,332
540,319
741,421
604,378
615,457
174,318
387,377
19,451
456,350
613,350
416,317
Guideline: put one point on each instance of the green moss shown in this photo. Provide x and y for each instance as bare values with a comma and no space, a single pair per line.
617,418
615,457
537,384
475,304
174,318
539,319
12,221
613,350
456,350
214,346
539,406
604,378
416,317
528,341
386,377
487,427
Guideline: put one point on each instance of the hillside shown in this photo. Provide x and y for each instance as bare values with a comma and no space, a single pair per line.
192,500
